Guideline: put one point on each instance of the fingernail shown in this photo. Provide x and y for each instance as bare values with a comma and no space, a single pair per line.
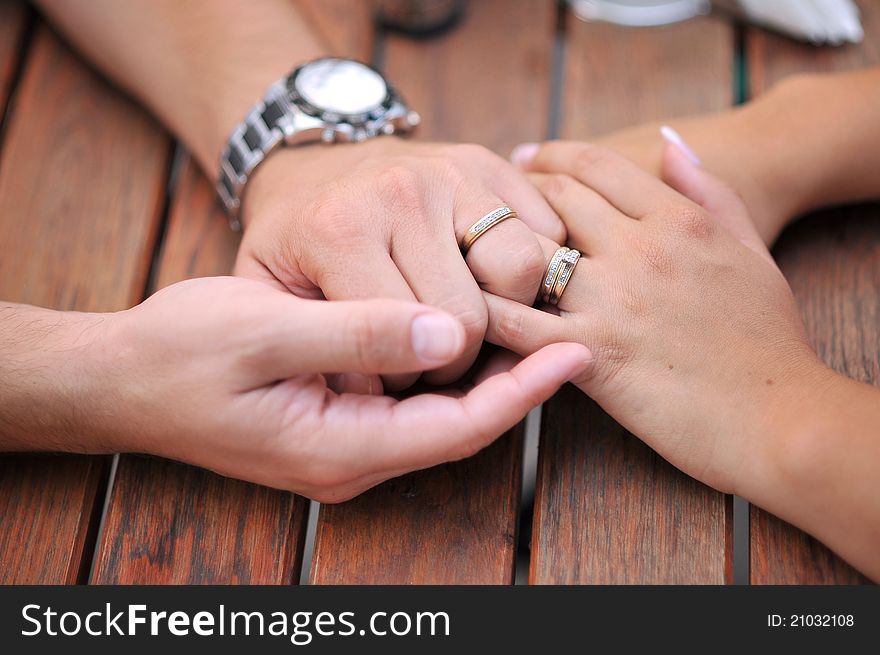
524,153
435,338
581,365
673,137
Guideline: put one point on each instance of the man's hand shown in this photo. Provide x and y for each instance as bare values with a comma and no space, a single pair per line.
372,220
383,219
228,374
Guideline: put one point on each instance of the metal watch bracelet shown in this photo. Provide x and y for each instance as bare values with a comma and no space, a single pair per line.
249,144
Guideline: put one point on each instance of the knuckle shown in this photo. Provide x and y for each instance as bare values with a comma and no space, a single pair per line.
334,220
367,344
692,222
590,157
526,273
400,186
511,328
555,186
473,315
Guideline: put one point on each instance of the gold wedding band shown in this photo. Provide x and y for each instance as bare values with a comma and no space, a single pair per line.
558,275
552,273
569,261
485,224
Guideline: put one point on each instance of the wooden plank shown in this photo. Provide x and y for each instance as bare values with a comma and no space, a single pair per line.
13,22
832,260
81,189
488,82
168,523
607,508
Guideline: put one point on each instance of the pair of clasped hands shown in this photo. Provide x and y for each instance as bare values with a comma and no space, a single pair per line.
352,287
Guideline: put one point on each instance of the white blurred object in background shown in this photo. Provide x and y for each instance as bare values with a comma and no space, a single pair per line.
639,13
821,22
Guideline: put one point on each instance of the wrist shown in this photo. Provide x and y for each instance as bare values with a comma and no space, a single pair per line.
56,394
792,433
246,65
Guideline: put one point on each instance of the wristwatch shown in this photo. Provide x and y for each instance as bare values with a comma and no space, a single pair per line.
330,100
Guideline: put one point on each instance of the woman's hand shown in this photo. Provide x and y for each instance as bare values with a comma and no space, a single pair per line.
226,373
697,343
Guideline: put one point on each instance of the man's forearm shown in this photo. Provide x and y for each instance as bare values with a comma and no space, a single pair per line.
199,65
811,141
50,396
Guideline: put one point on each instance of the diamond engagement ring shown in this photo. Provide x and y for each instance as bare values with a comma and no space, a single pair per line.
485,224
566,268
552,273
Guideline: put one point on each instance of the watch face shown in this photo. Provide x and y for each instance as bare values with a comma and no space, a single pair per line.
341,86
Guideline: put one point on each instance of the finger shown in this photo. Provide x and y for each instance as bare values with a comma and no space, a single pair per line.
375,336
632,190
581,288
366,272
507,259
361,383
439,277
510,183
594,224
426,430
680,171
501,361
523,329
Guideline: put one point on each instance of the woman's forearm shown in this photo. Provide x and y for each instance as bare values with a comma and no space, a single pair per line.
810,142
198,65
820,468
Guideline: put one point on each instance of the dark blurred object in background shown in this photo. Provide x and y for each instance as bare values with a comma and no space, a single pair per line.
419,18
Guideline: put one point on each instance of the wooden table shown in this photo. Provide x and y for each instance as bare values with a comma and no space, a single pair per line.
99,207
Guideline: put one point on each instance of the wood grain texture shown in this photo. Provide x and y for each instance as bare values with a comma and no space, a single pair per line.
487,82
832,260
168,523
81,188
617,77
13,21
451,524
607,508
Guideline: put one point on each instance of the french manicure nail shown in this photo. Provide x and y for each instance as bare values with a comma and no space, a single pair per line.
435,338
524,153
673,137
